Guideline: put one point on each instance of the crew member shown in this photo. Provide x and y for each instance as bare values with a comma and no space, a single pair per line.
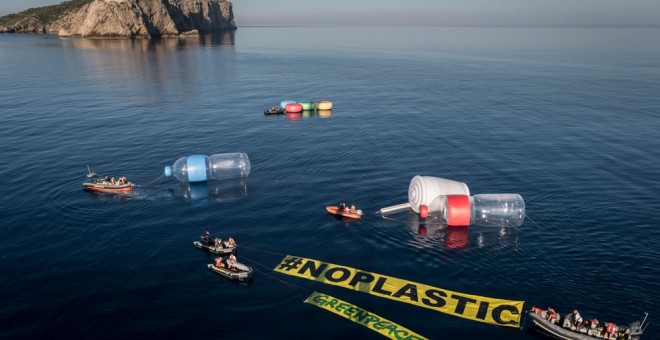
536,310
206,237
551,315
230,261
609,330
591,324
577,320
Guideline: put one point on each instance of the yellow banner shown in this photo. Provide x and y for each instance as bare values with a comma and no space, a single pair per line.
473,307
363,317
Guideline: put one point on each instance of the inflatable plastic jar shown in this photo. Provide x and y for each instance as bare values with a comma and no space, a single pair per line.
200,168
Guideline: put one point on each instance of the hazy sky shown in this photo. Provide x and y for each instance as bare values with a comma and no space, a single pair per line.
429,12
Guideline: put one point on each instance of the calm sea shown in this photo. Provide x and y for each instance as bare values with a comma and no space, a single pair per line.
567,118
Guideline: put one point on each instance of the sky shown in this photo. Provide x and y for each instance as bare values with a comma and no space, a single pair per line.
428,12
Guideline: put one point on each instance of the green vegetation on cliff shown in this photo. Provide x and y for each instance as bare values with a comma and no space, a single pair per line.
45,14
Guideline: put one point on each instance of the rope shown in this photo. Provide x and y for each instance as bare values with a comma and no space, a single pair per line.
527,216
291,286
263,251
157,179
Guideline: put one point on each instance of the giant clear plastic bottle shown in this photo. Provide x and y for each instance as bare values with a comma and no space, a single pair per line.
497,209
200,168
504,210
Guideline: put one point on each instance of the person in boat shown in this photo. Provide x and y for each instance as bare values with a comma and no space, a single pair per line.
218,244
342,207
231,242
218,262
352,209
609,330
591,324
551,315
206,237
577,320
536,310
230,261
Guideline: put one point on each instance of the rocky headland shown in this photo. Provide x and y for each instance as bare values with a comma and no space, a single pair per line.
124,18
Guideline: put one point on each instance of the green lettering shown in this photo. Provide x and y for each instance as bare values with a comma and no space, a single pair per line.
332,302
320,299
361,314
350,311
399,336
341,306
371,318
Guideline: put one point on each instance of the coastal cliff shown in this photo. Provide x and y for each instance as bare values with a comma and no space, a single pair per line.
132,19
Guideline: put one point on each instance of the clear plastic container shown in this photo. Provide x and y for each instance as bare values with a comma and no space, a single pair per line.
200,168
497,210
504,210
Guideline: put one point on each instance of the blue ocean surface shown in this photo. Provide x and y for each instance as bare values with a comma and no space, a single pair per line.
568,118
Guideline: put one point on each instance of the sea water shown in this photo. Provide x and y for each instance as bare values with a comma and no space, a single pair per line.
567,118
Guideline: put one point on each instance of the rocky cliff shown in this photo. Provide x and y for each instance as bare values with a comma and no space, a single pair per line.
134,19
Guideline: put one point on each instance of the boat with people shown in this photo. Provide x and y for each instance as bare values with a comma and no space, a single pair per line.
216,245
273,111
231,269
106,184
343,210
572,326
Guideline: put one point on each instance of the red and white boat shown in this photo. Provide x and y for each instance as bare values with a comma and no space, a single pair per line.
105,184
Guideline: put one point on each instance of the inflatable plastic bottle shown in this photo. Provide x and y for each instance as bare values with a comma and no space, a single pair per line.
284,103
424,189
504,210
199,168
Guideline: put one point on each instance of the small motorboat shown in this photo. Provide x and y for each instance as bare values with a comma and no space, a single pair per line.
356,214
273,111
238,271
209,245
563,328
95,183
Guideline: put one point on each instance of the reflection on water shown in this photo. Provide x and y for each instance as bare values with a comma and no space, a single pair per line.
164,65
203,193
293,115
344,219
434,229
110,196
304,114
456,237
153,45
